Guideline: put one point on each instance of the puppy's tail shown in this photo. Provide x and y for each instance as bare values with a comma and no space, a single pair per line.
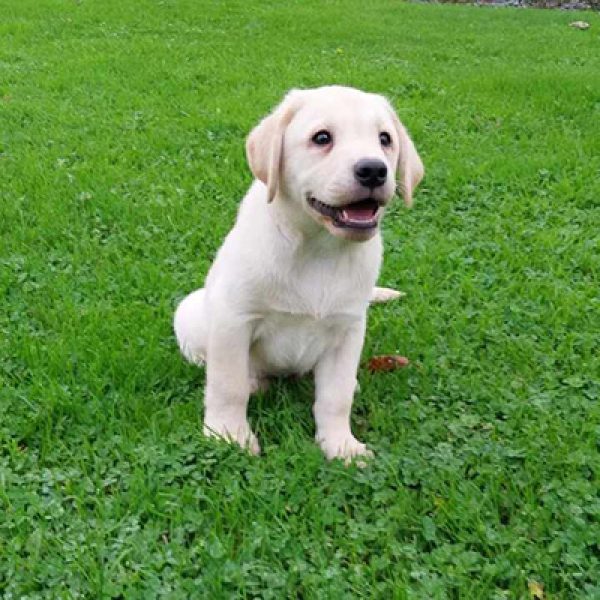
381,294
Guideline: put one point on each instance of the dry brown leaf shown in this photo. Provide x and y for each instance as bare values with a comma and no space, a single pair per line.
536,590
387,362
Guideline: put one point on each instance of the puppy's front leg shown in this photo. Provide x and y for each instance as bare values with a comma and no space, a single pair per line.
228,385
335,382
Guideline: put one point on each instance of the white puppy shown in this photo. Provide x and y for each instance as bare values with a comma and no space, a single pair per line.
289,289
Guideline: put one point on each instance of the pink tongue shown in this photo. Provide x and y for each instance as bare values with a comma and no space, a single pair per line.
358,214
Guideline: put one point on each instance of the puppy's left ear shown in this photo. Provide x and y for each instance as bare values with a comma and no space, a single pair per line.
410,167
264,146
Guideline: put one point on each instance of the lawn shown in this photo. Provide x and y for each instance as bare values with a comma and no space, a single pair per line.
122,164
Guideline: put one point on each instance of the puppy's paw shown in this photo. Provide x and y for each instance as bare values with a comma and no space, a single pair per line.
194,356
346,447
237,433
381,294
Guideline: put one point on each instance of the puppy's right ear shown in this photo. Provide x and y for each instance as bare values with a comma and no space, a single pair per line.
264,146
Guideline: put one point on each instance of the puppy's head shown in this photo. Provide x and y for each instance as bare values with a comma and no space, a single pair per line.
339,154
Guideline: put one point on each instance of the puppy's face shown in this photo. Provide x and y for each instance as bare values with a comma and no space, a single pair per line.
337,152
340,155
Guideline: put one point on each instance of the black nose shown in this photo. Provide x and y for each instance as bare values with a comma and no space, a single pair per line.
370,172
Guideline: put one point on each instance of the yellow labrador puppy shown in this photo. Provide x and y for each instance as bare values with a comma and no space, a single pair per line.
289,289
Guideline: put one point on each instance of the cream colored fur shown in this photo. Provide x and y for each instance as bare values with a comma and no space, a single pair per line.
288,291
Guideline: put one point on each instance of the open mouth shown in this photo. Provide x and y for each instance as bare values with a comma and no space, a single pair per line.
363,214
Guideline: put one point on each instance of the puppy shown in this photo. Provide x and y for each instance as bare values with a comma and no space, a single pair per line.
290,286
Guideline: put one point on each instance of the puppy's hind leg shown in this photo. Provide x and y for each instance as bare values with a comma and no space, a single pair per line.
191,327
382,294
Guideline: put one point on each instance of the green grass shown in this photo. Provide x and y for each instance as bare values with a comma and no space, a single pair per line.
121,167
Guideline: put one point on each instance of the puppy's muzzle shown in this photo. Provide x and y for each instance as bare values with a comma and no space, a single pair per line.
370,172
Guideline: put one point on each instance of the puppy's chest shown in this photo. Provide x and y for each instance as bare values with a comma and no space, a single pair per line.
319,294
313,303
285,343
303,318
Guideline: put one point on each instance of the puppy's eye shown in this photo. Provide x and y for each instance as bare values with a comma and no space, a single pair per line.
322,138
385,138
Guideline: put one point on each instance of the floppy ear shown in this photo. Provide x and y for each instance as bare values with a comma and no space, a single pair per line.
264,146
410,167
